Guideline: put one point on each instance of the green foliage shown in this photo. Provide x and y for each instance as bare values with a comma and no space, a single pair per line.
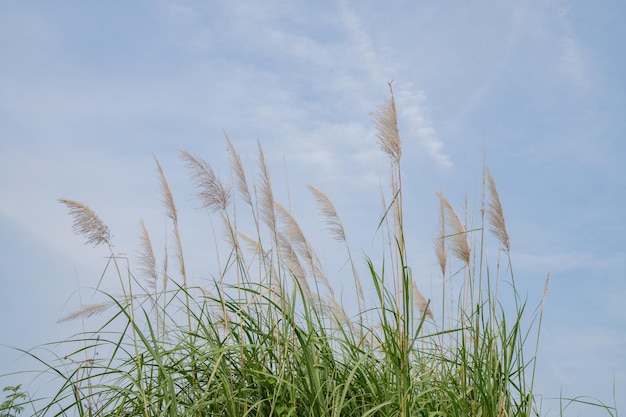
13,404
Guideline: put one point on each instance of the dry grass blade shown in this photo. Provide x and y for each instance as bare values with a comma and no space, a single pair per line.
456,231
212,192
240,174
87,223
147,260
331,217
166,193
495,214
386,122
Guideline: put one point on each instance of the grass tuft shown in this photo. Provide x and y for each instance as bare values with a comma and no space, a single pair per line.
265,335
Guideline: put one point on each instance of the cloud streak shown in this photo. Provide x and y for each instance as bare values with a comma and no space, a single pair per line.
414,116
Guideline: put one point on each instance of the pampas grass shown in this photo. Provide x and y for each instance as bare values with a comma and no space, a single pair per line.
386,121
172,212
495,214
147,259
264,335
336,229
211,192
88,311
240,174
87,223
456,233
266,198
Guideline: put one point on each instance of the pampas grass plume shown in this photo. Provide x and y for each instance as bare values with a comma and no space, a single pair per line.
495,214
457,234
87,223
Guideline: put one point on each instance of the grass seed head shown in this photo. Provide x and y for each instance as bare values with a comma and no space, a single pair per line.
211,191
87,223
495,214
386,121
456,233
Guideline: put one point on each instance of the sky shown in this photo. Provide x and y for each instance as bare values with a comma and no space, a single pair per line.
91,92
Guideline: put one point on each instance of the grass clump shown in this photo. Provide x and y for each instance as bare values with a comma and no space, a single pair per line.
267,337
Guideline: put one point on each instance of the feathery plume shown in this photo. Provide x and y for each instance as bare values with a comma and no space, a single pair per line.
240,174
331,307
335,227
147,259
386,121
88,311
293,230
87,223
292,264
255,247
230,234
331,218
166,193
212,192
457,233
267,195
172,213
422,303
302,247
495,214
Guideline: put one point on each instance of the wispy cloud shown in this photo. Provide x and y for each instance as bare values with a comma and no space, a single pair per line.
414,115
369,57
411,105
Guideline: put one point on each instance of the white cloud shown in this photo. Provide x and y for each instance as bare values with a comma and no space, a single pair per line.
362,43
413,113
339,153
411,107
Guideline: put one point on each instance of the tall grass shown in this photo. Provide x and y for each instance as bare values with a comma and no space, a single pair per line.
266,336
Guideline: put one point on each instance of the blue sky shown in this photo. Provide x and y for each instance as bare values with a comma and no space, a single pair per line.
91,90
